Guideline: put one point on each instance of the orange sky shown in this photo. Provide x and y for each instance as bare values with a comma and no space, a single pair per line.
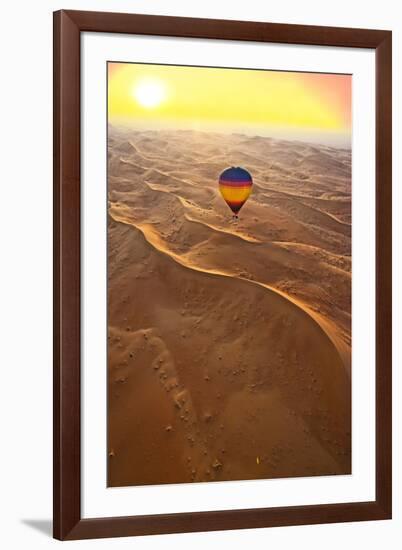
333,90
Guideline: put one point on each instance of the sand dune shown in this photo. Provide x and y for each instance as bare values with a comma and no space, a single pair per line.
229,343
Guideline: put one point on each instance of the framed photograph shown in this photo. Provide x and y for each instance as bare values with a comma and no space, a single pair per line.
222,266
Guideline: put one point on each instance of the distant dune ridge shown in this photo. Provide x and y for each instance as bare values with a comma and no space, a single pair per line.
229,344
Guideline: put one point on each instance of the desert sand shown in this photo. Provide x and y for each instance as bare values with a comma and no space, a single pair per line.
229,343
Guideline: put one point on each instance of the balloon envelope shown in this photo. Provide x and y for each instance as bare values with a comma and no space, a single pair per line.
235,187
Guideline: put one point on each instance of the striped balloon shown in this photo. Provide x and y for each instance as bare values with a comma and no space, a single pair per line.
235,187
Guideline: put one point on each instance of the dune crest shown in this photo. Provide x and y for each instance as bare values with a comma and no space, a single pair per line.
153,238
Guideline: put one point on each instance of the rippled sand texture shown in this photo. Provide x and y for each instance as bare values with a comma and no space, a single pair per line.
229,344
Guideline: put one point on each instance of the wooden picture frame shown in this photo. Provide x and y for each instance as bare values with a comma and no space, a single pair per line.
68,522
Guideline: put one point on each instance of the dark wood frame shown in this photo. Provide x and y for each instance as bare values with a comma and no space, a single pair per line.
68,26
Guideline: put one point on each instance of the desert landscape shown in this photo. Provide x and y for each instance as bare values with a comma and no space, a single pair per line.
229,342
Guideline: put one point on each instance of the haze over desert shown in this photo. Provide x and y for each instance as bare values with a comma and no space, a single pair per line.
229,343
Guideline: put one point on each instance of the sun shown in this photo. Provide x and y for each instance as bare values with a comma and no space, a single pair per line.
150,93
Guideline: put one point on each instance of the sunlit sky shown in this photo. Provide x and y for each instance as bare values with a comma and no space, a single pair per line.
311,106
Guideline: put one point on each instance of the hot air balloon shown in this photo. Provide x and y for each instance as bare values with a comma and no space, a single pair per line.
235,187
